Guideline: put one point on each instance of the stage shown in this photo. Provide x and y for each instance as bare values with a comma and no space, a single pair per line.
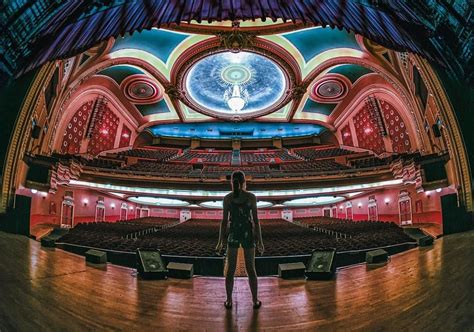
421,289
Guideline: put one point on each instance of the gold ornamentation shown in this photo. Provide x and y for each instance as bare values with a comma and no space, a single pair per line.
236,40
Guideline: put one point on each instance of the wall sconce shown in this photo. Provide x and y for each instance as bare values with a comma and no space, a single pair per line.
439,190
131,207
34,191
359,205
428,194
85,201
44,194
340,207
112,206
387,201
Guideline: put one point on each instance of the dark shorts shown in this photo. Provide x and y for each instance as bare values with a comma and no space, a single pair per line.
246,242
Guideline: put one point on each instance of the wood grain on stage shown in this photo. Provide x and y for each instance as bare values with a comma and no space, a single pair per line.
422,289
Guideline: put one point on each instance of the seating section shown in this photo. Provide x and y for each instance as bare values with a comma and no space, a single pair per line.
267,157
313,153
205,157
101,163
159,154
199,237
370,162
313,167
161,169
211,163
357,235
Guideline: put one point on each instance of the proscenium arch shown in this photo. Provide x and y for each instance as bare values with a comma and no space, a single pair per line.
21,135
453,137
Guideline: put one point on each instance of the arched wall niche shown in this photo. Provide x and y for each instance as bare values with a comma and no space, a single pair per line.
88,94
381,93
389,75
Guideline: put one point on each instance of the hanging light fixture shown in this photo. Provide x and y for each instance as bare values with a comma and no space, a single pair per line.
236,102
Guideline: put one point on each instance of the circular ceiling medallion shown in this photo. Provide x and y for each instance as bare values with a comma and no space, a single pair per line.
141,89
330,89
235,86
236,74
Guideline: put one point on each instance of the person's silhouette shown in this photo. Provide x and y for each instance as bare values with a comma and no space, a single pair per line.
240,208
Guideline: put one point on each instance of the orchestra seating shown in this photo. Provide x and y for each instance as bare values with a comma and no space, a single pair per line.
199,237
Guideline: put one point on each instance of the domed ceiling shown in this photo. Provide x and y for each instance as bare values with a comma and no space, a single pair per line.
219,73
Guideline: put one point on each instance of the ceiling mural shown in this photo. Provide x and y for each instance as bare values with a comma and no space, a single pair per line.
235,83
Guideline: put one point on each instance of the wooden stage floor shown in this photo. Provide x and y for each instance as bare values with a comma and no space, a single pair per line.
422,289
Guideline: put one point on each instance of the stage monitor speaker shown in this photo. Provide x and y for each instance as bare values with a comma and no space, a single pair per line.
96,256
321,265
436,130
150,264
425,241
291,270
180,270
48,241
36,131
51,238
376,256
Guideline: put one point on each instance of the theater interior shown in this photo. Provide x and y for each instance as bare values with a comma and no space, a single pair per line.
122,122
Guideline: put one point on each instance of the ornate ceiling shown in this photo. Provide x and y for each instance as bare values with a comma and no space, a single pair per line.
264,73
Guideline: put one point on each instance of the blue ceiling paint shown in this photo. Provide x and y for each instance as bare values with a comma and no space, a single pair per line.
119,73
314,107
160,43
157,108
225,130
352,72
313,41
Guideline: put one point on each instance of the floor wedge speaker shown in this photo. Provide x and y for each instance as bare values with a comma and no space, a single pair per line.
96,256
321,265
150,264
180,270
425,241
376,256
291,270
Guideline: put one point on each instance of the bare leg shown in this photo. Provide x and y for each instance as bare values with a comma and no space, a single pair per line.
231,263
251,272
